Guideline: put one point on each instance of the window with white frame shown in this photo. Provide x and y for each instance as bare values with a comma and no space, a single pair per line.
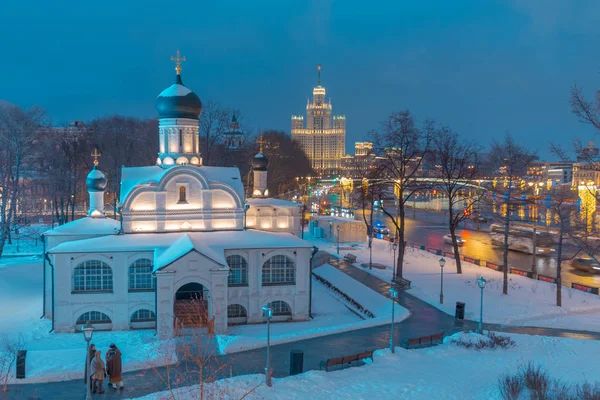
140,275
92,276
238,270
95,317
236,311
143,315
281,308
279,270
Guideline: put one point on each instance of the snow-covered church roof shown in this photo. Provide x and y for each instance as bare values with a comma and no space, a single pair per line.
271,202
169,247
86,226
134,176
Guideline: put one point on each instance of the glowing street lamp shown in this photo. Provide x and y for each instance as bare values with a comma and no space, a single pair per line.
268,314
88,333
481,283
393,295
442,263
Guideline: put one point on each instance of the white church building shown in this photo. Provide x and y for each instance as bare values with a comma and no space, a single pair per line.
186,231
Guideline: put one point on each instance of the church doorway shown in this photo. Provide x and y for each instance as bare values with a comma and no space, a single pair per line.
191,306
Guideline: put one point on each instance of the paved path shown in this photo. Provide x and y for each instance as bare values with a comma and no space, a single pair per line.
424,320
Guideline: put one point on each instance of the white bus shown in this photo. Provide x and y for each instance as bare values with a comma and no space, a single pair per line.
521,239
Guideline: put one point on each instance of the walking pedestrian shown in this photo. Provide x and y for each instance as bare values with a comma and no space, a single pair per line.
114,366
97,373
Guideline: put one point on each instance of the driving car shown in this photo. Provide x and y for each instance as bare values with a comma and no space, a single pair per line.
381,229
586,264
459,240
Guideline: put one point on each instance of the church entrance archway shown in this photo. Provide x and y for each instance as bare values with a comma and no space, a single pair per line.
191,306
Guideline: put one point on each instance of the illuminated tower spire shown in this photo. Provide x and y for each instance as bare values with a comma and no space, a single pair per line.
319,74
178,60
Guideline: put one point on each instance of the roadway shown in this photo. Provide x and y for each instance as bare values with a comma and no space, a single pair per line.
429,228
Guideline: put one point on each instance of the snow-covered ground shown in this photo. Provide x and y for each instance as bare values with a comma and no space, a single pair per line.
26,242
60,356
447,371
529,302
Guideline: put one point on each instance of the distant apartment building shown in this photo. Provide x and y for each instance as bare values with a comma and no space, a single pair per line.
361,162
557,172
323,138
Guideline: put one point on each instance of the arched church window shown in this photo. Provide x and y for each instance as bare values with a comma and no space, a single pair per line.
92,276
140,275
143,315
238,270
279,270
236,311
182,194
181,138
95,317
281,308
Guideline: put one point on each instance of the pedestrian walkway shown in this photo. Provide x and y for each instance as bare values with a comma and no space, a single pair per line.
424,320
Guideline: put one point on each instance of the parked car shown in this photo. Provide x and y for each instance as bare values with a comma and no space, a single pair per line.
381,229
479,218
586,264
459,240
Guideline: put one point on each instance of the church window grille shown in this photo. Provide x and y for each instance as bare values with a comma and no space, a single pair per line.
140,275
279,270
236,311
182,194
143,315
92,276
281,308
95,317
238,271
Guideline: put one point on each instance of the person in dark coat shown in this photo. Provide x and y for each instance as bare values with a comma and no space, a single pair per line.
114,366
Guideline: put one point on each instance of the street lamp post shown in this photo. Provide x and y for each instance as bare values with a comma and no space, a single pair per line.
337,228
395,247
442,263
393,296
88,332
268,313
481,283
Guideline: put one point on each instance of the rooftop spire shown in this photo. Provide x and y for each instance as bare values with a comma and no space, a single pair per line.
96,155
319,74
260,142
178,60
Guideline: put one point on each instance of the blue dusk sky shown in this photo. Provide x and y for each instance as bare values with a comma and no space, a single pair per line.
481,67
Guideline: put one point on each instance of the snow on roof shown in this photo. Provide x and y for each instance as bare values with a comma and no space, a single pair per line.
331,218
168,247
175,90
134,176
270,202
86,226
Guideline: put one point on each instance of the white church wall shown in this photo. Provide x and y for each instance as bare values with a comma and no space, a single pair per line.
118,304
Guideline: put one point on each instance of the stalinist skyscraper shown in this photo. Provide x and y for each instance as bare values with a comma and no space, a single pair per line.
323,143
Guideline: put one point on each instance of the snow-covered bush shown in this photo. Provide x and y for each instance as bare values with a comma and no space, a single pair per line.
490,341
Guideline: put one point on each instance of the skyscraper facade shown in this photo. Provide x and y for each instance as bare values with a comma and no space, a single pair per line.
323,139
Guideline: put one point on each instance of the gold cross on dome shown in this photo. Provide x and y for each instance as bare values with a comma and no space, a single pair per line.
260,142
178,60
96,155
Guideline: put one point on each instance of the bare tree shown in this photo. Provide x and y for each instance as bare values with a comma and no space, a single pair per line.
587,111
512,160
455,163
402,147
18,129
214,121
9,347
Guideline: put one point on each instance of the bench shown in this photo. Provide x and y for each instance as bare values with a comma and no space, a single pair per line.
423,341
401,282
351,258
345,361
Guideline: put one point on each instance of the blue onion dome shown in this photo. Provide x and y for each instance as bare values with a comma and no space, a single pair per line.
96,181
177,101
260,162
